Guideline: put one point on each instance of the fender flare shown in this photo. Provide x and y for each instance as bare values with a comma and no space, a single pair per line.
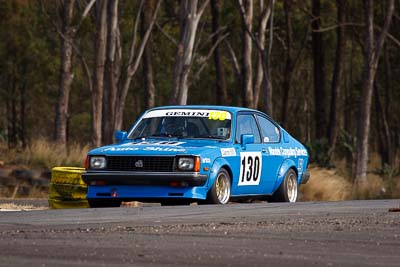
286,165
217,165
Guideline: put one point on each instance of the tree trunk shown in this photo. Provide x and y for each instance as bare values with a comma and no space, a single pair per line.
319,72
287,76
220,92
247,69
260,65
98,76
22,127
387,111
385,143
11,100
189,21
233,94
372,53
135,57
112,72
148,79
66,75
267,61
337,76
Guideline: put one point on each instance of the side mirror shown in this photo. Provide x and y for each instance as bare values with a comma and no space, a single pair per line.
120,136
246,139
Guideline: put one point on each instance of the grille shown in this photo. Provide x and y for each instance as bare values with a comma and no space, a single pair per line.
136,163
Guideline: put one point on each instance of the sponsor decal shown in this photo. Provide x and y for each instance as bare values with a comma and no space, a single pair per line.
148,148
218,115
250,168
206,160
156,143
166,149
167,146
300,165
228,152
288,152
121,149
210,114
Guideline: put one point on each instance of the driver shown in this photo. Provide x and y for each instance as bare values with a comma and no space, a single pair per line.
175,126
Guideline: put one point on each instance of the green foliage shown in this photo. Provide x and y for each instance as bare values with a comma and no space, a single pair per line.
347,142
318,150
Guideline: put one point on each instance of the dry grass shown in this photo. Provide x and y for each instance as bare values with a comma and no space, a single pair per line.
48,155
325,185
42,154
332,185
374,188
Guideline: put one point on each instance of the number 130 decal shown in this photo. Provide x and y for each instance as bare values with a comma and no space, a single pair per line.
250,168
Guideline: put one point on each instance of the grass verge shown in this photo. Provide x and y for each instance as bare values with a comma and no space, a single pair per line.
44,155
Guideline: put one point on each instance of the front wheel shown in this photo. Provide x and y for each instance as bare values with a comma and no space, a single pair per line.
220,192
287,191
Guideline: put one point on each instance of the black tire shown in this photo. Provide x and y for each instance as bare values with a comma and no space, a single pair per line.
288,190
220,192
104,203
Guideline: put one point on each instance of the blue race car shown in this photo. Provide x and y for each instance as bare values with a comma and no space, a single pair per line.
208,154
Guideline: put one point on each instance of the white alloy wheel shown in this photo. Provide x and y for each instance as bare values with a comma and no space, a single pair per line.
220,192
291,187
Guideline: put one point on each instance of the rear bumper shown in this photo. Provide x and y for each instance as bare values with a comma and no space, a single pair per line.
305,177
143,178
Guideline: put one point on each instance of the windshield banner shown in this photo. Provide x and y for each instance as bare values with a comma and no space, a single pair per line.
205,113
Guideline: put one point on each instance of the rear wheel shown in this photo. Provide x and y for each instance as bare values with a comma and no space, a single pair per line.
104,203
220,192
287,191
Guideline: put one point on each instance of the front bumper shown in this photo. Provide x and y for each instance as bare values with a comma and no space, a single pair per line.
143,178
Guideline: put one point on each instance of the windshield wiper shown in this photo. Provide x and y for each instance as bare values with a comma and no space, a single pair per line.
211,136
165,135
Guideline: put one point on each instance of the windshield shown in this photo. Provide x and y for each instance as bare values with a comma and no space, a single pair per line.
184,123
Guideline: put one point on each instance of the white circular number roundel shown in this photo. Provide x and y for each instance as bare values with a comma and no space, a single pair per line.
250,168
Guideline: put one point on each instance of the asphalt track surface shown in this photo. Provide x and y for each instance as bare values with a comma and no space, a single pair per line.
350,233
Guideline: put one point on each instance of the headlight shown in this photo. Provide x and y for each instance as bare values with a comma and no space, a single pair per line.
97,162
189,164
185,164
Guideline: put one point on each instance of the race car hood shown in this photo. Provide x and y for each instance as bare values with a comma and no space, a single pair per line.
159,147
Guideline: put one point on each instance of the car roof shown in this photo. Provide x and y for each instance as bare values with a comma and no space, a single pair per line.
231,109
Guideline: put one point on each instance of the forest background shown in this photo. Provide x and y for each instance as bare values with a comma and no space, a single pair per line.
73,71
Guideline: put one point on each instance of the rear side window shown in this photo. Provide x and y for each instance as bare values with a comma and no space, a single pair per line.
246,124
269,131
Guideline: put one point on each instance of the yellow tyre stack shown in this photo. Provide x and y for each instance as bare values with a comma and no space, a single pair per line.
67,189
